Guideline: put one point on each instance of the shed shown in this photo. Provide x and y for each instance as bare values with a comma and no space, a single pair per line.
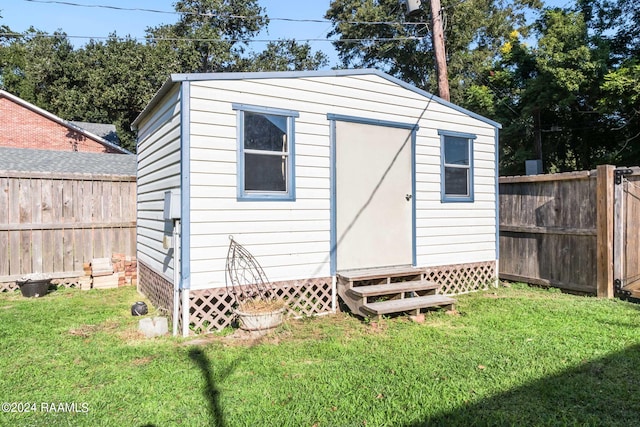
327,177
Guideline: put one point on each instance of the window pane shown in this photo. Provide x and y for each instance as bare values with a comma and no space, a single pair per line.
265,173
456,181
456,151
265,132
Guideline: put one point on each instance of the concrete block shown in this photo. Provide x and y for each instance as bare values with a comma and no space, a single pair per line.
154,326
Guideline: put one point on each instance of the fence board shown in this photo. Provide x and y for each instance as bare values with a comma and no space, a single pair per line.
47,218
548,230
630,274
4,219
57,201
98,234
605,226
85,217
54,223
25,206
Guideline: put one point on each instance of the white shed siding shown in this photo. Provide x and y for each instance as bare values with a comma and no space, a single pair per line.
292,239
448,233
158,171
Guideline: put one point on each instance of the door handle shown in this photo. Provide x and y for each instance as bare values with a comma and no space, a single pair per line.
408,197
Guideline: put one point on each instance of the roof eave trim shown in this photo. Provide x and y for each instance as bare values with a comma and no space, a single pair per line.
164,89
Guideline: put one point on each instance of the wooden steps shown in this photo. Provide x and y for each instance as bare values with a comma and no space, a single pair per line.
378,291
408,304
392,288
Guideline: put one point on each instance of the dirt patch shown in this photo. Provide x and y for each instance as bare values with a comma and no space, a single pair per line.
292,330
142,360
239,338
132,335
494,295
86,331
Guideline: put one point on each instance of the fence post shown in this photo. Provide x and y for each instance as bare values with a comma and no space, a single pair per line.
604,227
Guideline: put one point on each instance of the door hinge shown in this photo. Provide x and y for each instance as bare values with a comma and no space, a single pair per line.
619,173
617,285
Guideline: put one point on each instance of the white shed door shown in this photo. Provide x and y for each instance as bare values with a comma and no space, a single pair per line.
374,221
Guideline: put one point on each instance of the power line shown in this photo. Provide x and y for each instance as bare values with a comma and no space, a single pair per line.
179,39
216,15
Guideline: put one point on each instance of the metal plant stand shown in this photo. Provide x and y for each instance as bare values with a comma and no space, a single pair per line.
257,304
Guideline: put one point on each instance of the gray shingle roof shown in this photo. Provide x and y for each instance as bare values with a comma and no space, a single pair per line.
28,160
104,131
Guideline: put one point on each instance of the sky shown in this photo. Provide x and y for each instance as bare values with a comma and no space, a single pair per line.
83,23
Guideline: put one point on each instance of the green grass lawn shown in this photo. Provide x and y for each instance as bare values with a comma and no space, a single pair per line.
510,356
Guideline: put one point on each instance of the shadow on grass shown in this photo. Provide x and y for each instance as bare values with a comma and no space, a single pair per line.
211,392
600,392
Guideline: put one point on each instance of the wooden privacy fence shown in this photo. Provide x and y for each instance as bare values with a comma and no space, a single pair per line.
576,231
54,223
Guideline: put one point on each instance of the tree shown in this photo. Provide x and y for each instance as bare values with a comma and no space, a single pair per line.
115,80
105,82
622,103
111,81
284,55
33,66
571,96
211,35
374,33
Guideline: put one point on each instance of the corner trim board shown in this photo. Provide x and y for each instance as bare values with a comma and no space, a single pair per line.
185,185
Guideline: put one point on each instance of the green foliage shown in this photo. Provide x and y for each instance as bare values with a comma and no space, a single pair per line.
556,96
211,34
562,87
474,32
565,87
284,55
112,81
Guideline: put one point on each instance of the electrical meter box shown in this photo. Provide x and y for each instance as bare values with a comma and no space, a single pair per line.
171,205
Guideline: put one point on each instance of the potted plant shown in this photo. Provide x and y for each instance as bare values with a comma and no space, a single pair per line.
257,306
34,285
259,315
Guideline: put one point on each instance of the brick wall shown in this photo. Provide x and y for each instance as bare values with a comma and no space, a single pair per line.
24,128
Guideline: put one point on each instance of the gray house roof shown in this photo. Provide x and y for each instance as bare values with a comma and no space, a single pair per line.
104,131
28,160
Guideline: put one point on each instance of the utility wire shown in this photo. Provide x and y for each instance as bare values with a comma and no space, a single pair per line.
216,15
151,38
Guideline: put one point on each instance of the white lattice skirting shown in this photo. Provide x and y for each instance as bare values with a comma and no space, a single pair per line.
212,309
458,279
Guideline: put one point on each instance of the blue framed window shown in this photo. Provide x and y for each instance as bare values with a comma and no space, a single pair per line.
266,153
456,163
